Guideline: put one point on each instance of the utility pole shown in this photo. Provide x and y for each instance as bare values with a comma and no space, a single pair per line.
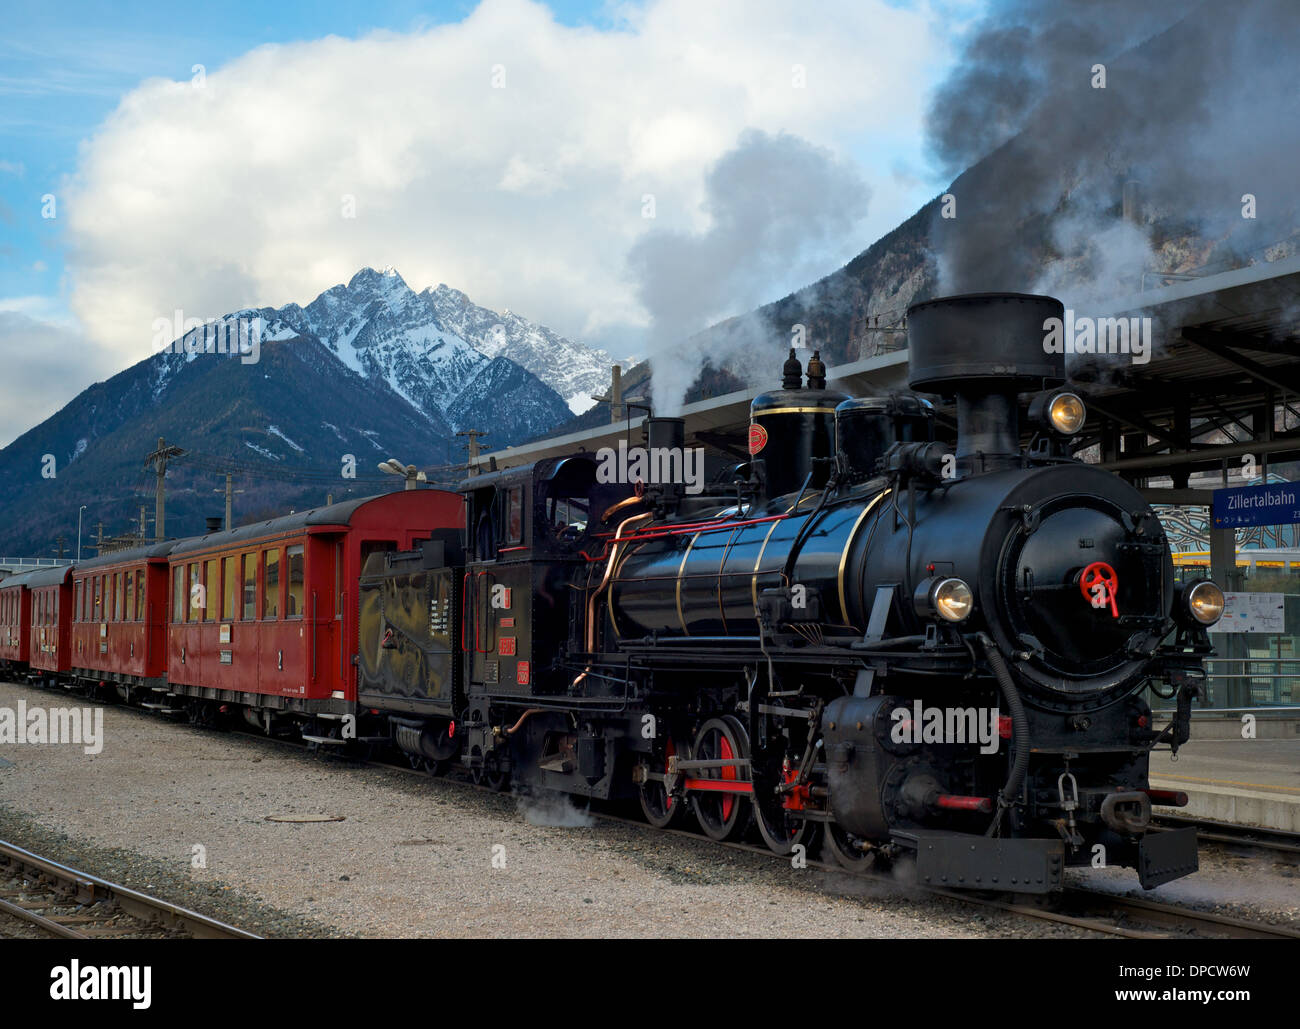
59,541
142,523
474,436
615,399
99,538
229,494
159,459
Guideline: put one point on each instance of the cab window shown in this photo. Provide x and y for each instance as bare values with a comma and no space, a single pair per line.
514,520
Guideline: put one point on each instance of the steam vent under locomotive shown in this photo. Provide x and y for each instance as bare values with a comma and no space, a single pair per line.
918,650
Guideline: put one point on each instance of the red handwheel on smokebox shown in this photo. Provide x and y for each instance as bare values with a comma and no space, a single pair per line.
1098,583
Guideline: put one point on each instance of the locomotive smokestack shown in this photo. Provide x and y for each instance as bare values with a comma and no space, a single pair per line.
665,433
984,349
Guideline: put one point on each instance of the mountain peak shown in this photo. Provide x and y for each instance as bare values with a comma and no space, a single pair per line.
388,277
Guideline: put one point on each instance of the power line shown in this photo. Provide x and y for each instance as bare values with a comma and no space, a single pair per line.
215,464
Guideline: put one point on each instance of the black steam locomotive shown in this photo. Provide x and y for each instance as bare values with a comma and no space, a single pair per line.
911,648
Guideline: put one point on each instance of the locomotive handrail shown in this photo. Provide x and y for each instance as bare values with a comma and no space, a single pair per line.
464,608
488,594
691,529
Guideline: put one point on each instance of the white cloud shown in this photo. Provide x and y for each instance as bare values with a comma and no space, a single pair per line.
527,196
39,307
36,357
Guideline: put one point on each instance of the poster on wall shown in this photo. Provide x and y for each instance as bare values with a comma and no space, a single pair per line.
1252,612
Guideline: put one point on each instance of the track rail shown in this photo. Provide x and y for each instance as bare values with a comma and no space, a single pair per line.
1234,835
51,884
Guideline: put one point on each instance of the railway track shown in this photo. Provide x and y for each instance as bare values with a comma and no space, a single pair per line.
1228,834
42,897
1110,914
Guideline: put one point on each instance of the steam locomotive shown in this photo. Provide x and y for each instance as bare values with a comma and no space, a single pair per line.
862,634
911,649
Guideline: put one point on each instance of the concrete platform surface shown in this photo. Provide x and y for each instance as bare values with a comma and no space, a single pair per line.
1248,782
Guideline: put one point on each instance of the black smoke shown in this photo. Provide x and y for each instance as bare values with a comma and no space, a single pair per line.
1198,109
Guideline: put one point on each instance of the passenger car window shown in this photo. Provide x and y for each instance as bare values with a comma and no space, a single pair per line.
271,584
229,583
294,599
211,589
250,587
178,594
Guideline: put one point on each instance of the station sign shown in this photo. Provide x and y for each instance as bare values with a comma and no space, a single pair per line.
1277,503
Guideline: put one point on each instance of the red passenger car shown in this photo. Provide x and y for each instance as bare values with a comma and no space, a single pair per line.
15,620
266,615
119,613
50,638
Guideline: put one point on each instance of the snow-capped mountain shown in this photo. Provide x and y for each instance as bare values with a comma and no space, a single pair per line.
383,331
365,372
574,370
380,328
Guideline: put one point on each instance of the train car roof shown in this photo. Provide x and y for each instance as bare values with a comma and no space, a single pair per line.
333,514
133,554
545,469
48,576
16,580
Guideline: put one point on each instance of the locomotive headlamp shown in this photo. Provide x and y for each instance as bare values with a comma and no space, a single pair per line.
1067,413
948,598
1205,602
1063,412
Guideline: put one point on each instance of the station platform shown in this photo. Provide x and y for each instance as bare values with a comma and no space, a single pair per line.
1230,779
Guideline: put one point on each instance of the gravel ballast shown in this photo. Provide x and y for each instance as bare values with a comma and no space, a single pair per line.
183,813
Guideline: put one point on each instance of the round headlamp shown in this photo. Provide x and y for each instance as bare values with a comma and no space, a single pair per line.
1066,413
1204,602
1059,410
948,598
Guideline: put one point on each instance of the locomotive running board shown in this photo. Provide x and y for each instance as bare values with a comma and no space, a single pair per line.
985,863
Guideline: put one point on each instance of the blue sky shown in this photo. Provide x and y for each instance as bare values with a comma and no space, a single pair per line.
527,198
65,66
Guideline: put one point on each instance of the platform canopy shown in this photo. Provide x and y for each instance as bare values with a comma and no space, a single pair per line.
1222,380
